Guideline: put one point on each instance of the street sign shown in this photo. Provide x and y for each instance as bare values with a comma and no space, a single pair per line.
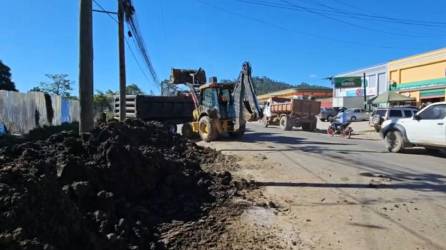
347,82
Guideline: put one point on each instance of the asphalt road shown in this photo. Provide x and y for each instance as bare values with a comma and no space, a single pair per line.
345,193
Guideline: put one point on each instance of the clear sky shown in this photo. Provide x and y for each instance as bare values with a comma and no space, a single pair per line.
301,40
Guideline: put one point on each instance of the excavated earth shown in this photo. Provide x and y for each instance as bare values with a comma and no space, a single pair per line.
125,185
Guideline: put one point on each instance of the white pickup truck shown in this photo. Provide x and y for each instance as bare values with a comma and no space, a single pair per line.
426,128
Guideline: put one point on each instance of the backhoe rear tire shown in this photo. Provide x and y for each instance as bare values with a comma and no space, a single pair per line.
285,123
206,129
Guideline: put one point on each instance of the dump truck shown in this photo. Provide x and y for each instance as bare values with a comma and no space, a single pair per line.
210,110
289,113
170,110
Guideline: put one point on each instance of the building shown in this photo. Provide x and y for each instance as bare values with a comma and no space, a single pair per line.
421,76
321,94
348,88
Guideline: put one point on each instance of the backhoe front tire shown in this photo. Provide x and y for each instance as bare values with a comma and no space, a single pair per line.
206,129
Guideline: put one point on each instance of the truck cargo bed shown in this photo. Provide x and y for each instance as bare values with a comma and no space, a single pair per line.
296,107
177,109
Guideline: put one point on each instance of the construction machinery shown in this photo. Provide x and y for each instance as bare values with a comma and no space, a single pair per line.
210,110
220,108
289,113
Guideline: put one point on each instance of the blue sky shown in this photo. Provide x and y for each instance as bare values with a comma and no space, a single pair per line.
288,44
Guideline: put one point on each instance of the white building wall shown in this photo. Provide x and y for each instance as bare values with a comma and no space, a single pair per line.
376,77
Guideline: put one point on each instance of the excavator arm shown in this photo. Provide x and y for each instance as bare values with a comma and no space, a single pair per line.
245,99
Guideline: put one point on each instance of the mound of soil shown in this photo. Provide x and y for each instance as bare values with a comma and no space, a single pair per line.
109,189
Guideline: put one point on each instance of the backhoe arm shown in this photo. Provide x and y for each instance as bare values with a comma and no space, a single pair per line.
244,93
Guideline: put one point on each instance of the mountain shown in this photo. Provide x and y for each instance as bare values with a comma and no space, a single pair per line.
264,85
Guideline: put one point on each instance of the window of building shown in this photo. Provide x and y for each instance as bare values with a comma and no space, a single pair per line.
371,81
382,86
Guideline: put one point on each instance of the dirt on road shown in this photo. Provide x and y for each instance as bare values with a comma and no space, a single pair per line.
319,193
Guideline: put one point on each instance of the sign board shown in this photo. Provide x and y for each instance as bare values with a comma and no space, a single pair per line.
347,82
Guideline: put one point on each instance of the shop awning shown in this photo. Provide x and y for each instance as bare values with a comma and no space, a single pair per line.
391,96
432,93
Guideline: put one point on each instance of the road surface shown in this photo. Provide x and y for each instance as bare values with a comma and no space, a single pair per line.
335,193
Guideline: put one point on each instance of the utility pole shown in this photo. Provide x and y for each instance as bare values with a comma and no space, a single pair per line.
122,77
86,66
365,91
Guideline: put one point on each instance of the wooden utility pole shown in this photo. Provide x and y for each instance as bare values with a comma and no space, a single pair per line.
365,91
122,77
86,66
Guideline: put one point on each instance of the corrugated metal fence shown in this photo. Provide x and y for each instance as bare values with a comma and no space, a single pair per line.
22,112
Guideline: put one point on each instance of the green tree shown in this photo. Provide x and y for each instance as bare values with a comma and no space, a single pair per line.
102,101
35,89
111,92
58,85
133,89
5,78
168,89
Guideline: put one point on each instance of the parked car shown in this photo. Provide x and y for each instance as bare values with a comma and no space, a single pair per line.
426,128
356,115
383,114
327,114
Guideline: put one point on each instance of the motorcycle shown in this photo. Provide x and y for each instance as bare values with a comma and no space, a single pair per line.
341,129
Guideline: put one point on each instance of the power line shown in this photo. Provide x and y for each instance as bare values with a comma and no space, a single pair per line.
330,13
133,26
372,17
314,35
136,60
358,15
109,13
105,11
309,10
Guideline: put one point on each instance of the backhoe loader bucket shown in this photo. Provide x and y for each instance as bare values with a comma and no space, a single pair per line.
181,76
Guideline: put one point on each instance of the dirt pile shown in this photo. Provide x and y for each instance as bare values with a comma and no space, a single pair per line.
110,189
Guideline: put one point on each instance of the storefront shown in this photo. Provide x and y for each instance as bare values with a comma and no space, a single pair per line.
349,88
421,76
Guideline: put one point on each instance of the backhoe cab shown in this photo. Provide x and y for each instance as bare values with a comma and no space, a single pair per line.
220,108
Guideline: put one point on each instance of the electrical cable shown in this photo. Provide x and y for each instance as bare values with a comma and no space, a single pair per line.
132,53
314,35
133,26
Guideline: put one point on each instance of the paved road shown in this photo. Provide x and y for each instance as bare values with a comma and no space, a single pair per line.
346,194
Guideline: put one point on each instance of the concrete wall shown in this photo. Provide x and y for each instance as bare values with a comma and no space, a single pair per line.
348,102
22,112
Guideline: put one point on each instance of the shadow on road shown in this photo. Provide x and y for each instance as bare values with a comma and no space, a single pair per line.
281,139
366,225
418,186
